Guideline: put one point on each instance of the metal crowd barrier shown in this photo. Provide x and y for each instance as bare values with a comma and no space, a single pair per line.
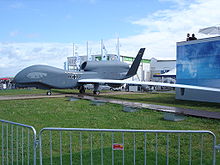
18,143
120,146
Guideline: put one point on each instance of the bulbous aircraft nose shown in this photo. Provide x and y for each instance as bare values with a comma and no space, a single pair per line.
22,76
18,78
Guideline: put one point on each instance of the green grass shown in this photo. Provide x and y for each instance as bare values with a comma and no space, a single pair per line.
21,92
59,112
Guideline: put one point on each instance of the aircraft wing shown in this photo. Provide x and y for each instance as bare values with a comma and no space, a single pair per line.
149,83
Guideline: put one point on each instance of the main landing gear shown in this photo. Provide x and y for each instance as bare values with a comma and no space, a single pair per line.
82,89
95,92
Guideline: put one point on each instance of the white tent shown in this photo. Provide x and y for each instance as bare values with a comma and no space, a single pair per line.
210,30
171,73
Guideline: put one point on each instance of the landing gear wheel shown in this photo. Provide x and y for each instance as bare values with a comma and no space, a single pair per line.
82,90
96,92
49,93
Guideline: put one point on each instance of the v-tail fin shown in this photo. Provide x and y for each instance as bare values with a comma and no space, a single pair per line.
134,67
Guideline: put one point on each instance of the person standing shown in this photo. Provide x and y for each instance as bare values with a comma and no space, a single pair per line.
187,37
193,37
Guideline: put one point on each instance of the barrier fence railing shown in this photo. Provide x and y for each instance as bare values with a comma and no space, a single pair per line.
104,146
18,143
119,146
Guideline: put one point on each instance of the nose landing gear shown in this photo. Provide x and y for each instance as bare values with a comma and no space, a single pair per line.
96,92
49,93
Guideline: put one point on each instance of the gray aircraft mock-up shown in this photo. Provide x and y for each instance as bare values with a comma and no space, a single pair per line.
111,73
47,77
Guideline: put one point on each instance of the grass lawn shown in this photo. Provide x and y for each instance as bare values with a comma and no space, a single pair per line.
60,112
21,92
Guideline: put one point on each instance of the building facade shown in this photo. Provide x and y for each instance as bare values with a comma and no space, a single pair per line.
146,71
158,67
198,63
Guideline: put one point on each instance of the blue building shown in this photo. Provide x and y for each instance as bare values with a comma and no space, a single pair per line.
198,63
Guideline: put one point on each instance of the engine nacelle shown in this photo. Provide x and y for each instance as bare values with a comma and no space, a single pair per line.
104,66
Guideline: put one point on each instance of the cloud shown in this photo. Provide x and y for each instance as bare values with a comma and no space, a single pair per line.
179,3
16,56
162,29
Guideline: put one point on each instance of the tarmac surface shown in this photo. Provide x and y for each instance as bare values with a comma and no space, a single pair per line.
177,110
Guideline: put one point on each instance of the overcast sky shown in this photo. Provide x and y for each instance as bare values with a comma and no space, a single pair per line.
42,31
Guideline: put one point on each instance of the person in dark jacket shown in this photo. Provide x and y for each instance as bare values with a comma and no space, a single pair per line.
192,38
187,37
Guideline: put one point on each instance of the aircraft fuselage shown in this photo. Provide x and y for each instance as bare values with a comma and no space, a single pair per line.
47,77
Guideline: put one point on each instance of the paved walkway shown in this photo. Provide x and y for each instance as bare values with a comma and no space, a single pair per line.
183,111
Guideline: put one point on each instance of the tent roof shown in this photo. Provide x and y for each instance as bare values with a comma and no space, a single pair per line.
4,79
